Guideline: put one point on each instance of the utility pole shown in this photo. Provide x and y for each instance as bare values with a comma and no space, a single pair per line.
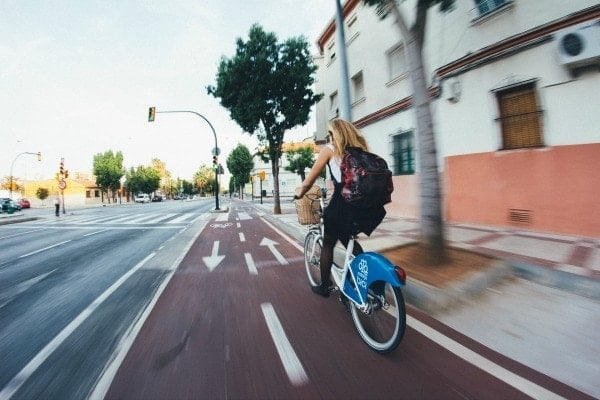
344,98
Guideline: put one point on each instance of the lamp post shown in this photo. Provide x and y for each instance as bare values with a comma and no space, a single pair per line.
39,156
151,114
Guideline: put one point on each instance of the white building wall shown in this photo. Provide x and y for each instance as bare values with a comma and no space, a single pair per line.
468,126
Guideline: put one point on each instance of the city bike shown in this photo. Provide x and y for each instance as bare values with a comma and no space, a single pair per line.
369,285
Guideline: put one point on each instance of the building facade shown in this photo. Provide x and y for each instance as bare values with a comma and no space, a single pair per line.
515,88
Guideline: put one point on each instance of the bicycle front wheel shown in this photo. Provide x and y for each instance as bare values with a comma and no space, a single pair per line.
381,326
312,257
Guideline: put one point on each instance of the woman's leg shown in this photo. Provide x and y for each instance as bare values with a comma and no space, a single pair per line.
327,259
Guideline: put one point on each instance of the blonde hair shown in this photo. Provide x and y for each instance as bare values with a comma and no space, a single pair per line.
346,135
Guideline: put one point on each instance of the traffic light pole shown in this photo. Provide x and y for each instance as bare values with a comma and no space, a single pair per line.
38,154
151,114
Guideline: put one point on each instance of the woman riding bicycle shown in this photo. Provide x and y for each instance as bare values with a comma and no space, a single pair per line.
340,219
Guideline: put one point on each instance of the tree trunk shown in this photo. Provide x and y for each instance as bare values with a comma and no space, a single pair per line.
431,219
275,171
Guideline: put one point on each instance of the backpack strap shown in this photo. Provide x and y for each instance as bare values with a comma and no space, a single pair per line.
331,173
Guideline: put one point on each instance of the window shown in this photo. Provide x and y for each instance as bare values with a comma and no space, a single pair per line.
333,105
404,153
396,61
520,117
358,87
351,30
487,6
88,194
331,51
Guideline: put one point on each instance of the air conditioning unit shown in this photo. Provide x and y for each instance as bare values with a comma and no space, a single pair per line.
579,46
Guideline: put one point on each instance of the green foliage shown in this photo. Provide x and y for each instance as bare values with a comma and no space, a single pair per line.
143,180
42,193
108,169
267,88
300,160
204,179
240,164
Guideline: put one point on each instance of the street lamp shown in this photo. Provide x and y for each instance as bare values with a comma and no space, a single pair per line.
151,115
39,157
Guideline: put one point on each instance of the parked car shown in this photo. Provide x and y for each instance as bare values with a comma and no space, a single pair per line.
142,198
157,199
24,203
7,202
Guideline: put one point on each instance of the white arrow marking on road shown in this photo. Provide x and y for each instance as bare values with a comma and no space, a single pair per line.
214,260
271,245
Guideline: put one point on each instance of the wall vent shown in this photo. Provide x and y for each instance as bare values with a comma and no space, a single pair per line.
518,216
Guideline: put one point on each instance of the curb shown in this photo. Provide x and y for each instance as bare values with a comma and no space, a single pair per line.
572,283
16,219
422,295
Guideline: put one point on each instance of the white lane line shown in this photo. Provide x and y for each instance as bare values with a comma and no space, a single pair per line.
122,349
250,264
22,233
45,248
94,233
291,362
242,237
179,219
243,216
510,378
293,242
222,217
15,384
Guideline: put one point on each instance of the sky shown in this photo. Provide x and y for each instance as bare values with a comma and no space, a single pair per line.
77,78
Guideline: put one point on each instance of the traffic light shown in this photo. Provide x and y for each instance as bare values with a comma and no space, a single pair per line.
39,156
151,114
215,162
66,173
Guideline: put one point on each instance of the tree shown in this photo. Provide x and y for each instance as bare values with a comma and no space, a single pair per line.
108,169
42,193
432,223
165,175
240,164
267,88
300,159
143,180
204,179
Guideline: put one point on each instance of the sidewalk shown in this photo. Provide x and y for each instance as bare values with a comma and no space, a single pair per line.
543,295
568,263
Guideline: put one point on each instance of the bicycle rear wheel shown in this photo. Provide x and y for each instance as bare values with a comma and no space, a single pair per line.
383,324
312,257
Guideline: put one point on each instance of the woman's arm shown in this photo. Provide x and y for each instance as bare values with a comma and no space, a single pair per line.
324,156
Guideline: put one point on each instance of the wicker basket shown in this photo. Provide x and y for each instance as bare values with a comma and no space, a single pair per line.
307,208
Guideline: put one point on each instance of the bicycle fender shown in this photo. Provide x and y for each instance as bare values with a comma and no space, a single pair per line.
367,268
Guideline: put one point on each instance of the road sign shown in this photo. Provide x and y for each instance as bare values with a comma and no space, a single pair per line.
62,185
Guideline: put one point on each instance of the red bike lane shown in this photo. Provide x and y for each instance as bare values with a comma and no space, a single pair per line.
238,320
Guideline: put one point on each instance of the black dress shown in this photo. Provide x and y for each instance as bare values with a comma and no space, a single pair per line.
343,220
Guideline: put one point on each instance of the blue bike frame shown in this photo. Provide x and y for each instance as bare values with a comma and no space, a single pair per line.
365,269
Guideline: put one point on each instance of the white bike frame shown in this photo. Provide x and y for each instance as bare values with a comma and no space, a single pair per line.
338,273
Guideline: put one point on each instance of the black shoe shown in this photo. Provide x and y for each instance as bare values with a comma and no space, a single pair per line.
321,290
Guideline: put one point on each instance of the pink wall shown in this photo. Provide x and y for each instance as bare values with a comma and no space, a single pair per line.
558,188
405,198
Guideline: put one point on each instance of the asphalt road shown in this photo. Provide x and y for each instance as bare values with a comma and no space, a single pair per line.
72,287
238,320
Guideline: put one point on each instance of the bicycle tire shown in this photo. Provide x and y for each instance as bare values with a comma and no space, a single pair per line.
312,257
381,329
